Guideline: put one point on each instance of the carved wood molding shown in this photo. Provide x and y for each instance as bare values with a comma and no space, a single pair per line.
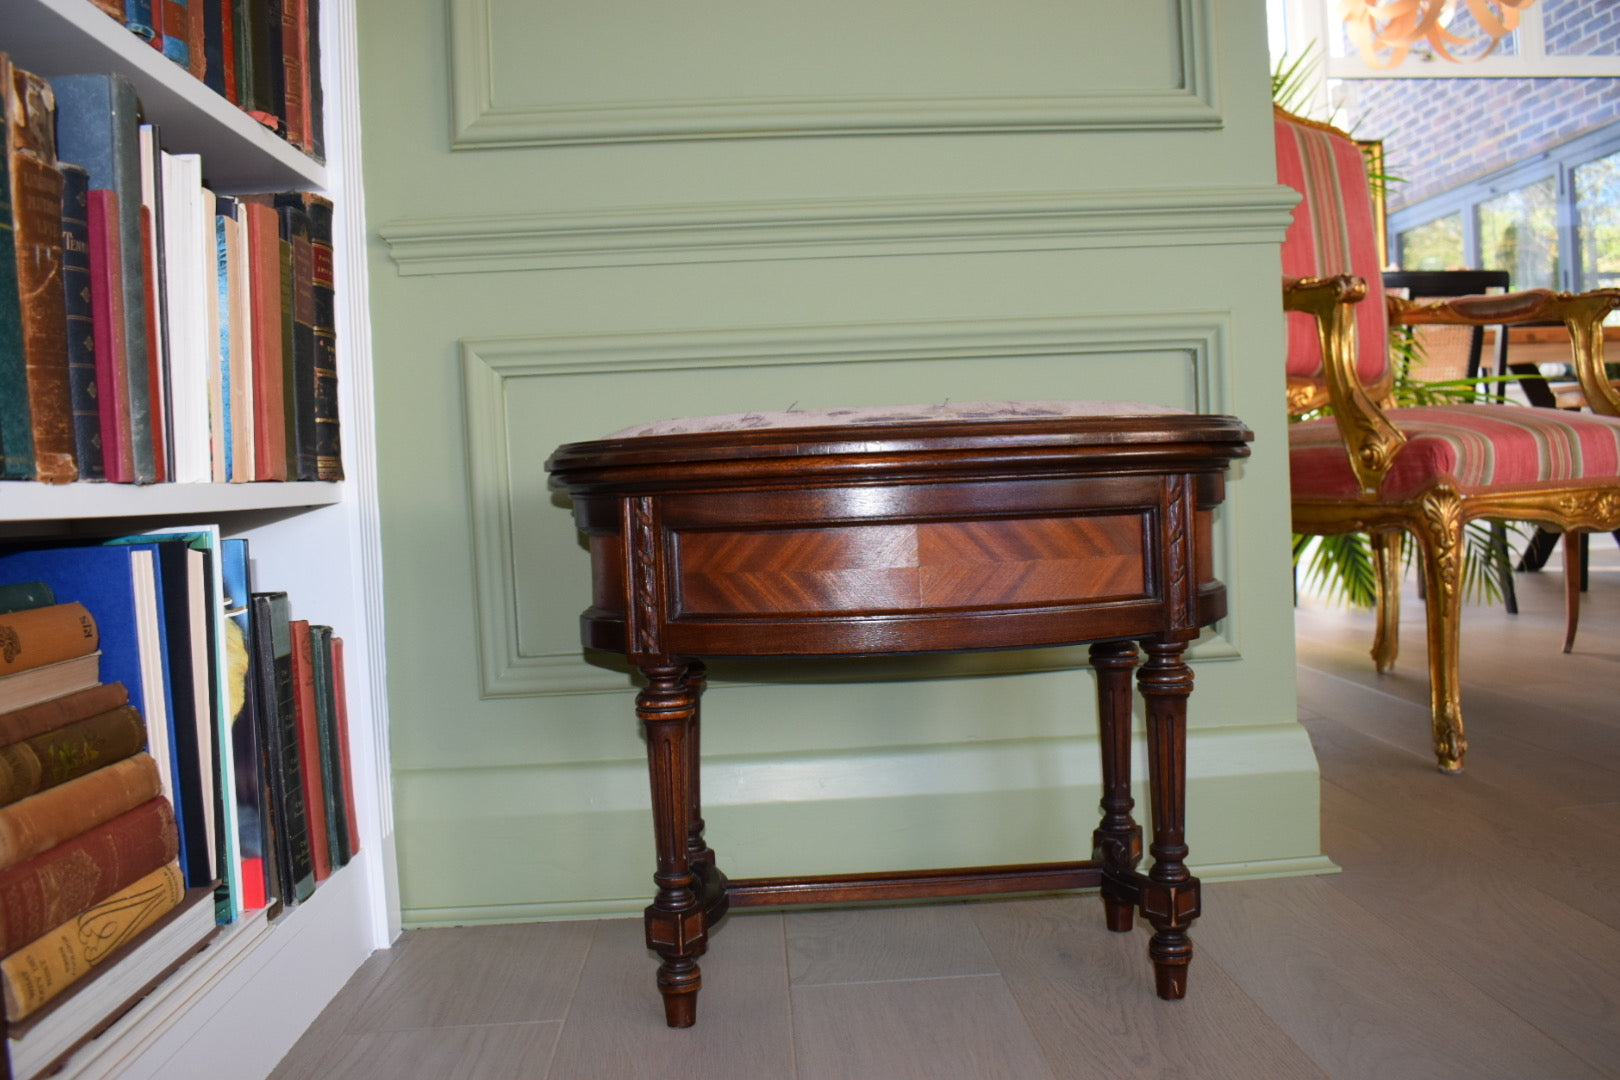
839,228
492,368
1188,101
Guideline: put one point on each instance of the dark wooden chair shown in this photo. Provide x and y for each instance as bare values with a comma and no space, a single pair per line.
1375,468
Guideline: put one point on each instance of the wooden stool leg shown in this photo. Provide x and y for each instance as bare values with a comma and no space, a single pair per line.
1170,894
698,853
1117,841
676,925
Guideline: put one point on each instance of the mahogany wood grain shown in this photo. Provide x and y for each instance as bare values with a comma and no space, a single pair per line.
915,537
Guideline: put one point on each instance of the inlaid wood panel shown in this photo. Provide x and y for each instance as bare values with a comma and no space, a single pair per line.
934,565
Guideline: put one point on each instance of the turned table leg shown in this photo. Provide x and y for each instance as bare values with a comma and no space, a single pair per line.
1117,841
1170,893
677,927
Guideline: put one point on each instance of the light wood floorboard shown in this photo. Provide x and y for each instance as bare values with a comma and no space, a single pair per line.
1473,933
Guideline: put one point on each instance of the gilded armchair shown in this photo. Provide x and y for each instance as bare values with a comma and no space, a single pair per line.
1376,468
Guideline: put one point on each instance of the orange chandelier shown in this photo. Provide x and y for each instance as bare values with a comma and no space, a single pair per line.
1386,30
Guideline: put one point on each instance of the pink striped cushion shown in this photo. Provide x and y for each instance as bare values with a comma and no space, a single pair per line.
1334,232
1481,446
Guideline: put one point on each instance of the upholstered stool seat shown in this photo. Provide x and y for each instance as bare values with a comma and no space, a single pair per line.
1480,448
893,414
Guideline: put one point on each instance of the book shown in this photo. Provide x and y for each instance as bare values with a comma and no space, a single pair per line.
115,8
187,258
155,405
245,745
310,748
39,636
315,97
176,22
283,768
236,339
97,127
68,752
22,595
89,1007
42,969
40,822
328,431
138,17
340,721
294,68
263,24
107,324
298,376
28,721
267,255
25,688
61,882
36,205
16,427
78,309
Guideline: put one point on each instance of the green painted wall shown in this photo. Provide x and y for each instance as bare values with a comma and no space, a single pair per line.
588,213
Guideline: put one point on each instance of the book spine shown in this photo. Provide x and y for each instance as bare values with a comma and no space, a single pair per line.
197,39
81,340
40,822
69,752
16,426
40,636
294,57
269,394
72,877
299,376
328,431
331,755
138,18
44,968
151,414
215,29
176,22
340,720
315,98
20,724
264,40
107,322
272,637
36,202
115,8
309,748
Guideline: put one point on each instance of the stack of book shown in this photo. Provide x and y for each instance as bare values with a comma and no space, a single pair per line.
170,333
184,765
260,55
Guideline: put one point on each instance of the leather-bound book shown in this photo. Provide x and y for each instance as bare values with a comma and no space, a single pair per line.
32,720
97,126
283,768
294,72
107,324
67,753
266,255
40,822
328,431
16,429
83,392
72,877
174,21
306,705
140,17
298,379
314,95
216,36
40,636
36,206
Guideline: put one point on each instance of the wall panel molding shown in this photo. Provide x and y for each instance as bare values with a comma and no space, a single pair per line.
838,228
1188,101
492,369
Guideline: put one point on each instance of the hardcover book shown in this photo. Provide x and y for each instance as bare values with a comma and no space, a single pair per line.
36,204
22,595
97,127
16,427
68,752
328,432
246,743
108,324
273,675
24,723
36,685
305,698
79,311
39,636
55,815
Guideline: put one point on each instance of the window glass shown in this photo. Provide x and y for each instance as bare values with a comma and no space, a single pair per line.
1597,221
1434,245
1518,233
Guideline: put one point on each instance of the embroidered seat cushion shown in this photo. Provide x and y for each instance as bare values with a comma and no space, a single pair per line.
894,414
1480,446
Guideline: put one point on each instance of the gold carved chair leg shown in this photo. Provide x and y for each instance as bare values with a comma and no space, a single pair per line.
1439,529
1574,558
1386,557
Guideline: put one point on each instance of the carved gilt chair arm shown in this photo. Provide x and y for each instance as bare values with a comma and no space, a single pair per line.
1369,437
1581,313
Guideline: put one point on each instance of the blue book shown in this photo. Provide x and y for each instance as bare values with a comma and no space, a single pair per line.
246,746
225,212
138,18
98,128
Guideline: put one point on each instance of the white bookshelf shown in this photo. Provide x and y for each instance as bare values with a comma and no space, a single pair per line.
239,1005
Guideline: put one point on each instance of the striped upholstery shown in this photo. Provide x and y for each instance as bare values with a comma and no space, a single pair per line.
1333,233
1481,446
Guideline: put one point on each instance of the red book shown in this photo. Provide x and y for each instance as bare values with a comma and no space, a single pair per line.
345,769
227,49
155,380
107,328
309,748
295,71
31,720
265,256
40,894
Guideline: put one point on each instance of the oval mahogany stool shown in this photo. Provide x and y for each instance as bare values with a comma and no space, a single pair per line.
862,532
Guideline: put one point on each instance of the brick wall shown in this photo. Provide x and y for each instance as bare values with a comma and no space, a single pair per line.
1441,133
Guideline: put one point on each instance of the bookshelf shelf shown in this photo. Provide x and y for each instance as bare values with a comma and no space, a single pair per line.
248,996
26,501
61,37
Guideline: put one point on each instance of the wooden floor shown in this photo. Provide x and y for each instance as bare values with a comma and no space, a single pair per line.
1473,933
